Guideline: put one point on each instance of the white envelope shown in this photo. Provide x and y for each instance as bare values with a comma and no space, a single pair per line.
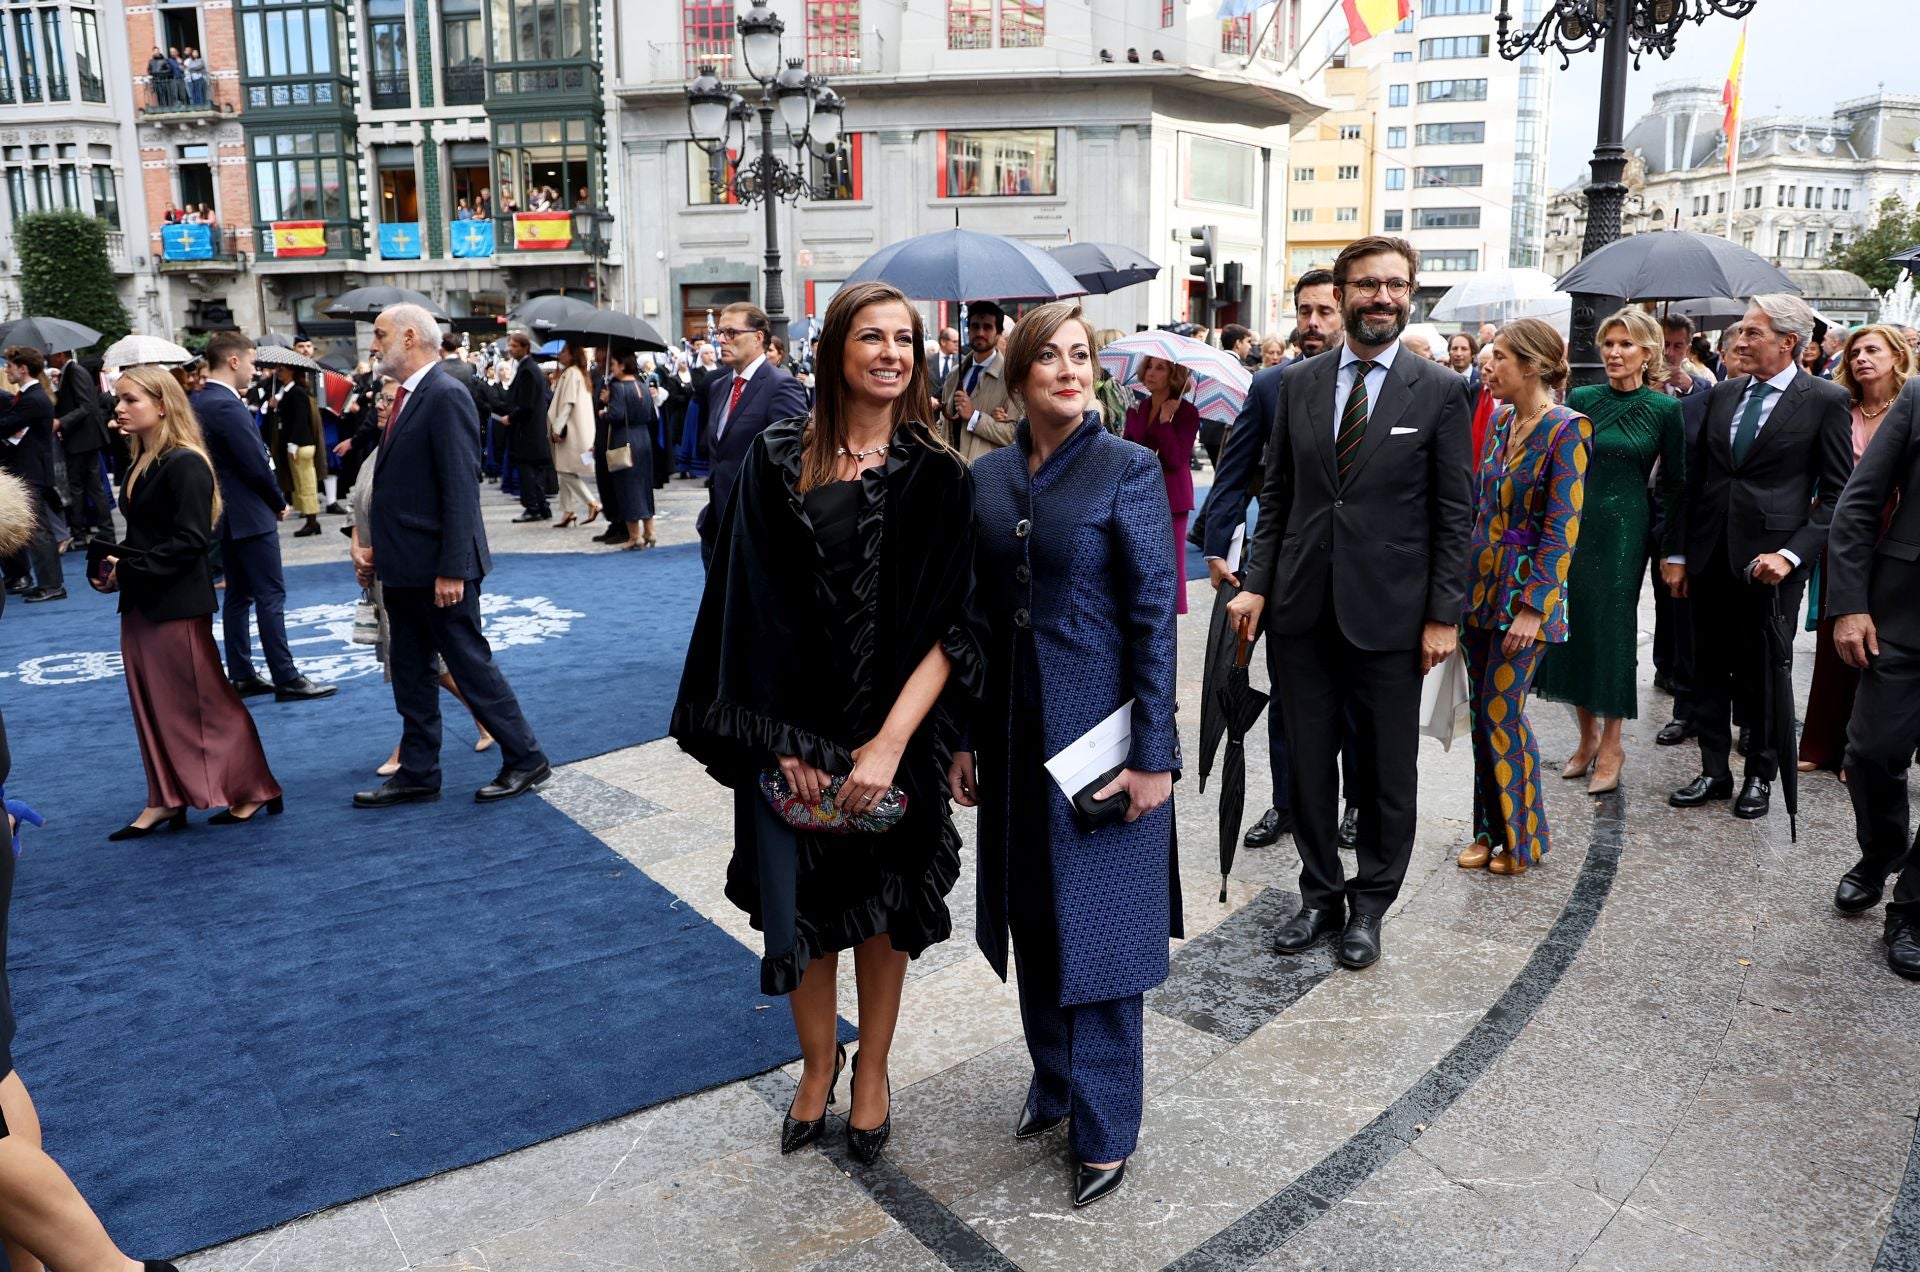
1395,432
1100,748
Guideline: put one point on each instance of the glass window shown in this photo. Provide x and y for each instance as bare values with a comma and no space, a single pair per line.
1303,174
305,176
1454,8
1720,202
1446,219
969,24
542,31
1347,172
1396,95
1779,248
1449,134
56,49
292,42
706,28
707,177
86,53
1023,24
106,195
1166,13
1236,35
1302,216
43,193
463,53
1396,178
399,188
1393,221
1350,132
833,37
17,192
1346,214
1396,138
1465,175
1453,46
546,165
1453,90
29,59
1010,162
1402,55
839,175
387,37
1813,243
1216,171
1450,261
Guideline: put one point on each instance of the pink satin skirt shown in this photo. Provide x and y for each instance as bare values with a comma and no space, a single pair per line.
196,738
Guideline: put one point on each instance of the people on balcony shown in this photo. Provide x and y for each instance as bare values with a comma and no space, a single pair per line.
195,68
160,76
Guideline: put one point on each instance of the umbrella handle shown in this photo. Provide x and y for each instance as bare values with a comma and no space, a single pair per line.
1240,652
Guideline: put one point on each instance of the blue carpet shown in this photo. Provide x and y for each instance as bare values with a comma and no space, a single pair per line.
231,1027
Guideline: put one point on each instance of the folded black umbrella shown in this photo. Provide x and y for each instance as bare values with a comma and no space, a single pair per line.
1240,705
1213,676
1779,722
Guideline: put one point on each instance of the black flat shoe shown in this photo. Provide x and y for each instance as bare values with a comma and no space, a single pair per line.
527,518
45,594
1306,929
1267,831
391,792
157,1265
1673,733
1903,952
253,688
1091,1183
274,807
1701,790
513,782
176,820
1349,833
866,1145
1360,943
1859,890
1032,1124
1754,799
795,1134
301,689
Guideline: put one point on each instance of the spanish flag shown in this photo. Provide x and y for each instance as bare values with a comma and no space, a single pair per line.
1730,96
299,238
1368,18
542,231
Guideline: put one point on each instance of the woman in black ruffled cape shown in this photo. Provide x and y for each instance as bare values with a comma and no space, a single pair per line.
837,637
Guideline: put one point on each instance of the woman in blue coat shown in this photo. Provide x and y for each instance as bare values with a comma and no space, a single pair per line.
1071,530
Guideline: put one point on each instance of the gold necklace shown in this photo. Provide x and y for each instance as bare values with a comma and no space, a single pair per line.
1516,440
1865,414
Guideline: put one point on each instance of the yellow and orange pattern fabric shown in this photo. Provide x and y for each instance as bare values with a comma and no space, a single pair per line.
1527,521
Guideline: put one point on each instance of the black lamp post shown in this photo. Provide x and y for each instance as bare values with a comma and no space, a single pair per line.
588,222
718,116
1626,30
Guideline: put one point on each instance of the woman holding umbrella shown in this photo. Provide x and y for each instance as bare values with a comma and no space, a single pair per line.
1166,423
626,422
1072,528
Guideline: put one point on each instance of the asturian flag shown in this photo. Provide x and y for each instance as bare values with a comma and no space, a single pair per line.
1368,18
473,238
542,231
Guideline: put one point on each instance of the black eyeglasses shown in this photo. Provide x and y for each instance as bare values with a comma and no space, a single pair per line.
1398,288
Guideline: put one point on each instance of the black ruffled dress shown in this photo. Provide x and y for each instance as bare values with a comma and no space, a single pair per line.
817,610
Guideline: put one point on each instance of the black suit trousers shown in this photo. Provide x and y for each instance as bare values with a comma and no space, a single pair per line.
43,552
1673,643
87,493
1322,677
1881,739
1730,665
255,581
417,629
533,486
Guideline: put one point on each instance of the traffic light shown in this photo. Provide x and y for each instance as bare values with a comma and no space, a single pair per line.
1201,267
1233,285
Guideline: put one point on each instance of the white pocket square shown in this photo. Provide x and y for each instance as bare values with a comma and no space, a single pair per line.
1397,431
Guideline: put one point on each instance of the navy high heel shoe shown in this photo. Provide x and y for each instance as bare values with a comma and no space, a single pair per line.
176,820
795,1134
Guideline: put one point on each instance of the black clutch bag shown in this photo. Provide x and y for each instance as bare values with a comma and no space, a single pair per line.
1097,814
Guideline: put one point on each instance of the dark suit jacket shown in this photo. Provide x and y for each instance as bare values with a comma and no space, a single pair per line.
164,572
1238,476
1389,547
1869,572
426,502
77,405
32,410
467,378
249,491
772,394
527,399
1783,495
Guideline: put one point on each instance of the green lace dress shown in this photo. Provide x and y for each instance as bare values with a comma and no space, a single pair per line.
1598,666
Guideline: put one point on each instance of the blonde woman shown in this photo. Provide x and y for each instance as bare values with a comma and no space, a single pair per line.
1635,427
197,741
570,420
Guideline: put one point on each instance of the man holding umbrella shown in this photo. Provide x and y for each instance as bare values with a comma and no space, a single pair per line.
974,398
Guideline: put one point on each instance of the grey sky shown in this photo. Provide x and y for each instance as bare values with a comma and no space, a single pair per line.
1801,59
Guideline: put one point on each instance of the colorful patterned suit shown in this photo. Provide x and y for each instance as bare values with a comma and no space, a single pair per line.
1526,523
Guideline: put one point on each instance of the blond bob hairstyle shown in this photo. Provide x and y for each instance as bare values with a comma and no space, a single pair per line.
1889,336
1536,344
1643,331
1030,336
179,427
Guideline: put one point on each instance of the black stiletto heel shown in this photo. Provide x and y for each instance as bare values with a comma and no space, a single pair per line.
176,820
866,1145
795,1134
274,807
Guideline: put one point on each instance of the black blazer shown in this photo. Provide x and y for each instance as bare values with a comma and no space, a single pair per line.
772,394
1869,572
1783,495
1240,473
298,419
1389,547
32,410
527,399
249,491
77,404
467,378
426,501
163,572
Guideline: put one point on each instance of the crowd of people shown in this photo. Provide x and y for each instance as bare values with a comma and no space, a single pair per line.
177,78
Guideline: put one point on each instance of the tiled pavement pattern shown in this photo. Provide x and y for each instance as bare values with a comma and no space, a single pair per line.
1661,1050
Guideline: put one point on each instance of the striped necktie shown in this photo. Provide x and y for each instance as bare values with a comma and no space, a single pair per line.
1353,420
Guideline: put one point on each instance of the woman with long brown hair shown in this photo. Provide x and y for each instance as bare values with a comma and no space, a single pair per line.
570,422
198,742
1166,423
836,619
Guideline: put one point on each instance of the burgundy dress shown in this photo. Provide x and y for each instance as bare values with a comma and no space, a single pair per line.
1172,442
198,742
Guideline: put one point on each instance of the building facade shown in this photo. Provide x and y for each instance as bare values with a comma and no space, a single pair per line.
67,140
1130,121
1330,175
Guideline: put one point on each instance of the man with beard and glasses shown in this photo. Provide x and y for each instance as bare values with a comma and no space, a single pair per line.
1362,548
974,400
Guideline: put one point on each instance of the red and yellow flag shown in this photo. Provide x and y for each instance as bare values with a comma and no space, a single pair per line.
542,231
1730,96
1368,18
299,238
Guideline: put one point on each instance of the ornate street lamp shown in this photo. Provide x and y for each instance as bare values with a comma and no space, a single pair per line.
588,222
717,119
1627,30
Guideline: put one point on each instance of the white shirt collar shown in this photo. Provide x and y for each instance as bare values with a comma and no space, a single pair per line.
1383,359
986,365
752,367
1785,378
412,382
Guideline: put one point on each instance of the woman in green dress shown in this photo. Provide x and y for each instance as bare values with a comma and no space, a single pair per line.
1635,427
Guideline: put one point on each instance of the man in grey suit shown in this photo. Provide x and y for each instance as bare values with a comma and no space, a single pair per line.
1362,548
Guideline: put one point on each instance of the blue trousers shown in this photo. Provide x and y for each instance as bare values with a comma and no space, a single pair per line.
1088,1062
254,581
417,630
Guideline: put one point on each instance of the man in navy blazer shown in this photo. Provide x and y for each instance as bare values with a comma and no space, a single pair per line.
429,552
252,509
739,406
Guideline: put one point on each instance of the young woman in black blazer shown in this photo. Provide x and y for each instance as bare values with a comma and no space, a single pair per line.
196,738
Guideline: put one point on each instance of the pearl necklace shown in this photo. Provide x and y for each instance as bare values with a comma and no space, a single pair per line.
860,455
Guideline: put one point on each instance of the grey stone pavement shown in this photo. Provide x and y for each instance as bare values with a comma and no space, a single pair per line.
1662,1049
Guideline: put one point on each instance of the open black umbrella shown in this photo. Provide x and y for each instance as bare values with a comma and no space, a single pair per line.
1213,675
608,328
1106,267
966,265
48,335
1674,265
1909,259
1779,722
364,304
1240,704
273,340
542,312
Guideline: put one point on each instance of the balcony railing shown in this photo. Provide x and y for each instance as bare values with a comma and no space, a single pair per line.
572,76
465,85
391,90
171,97
92,87
196,247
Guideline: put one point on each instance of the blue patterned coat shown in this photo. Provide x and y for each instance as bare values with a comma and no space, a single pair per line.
1077,553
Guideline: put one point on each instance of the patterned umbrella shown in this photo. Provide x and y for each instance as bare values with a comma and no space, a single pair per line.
1219,387
133,351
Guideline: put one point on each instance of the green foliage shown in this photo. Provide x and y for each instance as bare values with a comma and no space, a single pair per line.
1895,228
65,273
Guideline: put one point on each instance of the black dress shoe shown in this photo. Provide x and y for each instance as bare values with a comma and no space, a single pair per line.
1903,951
157,1265
338,509
1662,682
1267,831
308,531
1360,943
1700,790
795,1134
1306,929
513,782
253,688
1745,743
1032,1124
528,517
391,792
1674,732
45,594
1090,1183
866,1145
176,820
19,587
301,689
1859,890
1753,799
1349,833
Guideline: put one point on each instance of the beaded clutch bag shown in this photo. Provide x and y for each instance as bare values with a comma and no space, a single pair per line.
825,816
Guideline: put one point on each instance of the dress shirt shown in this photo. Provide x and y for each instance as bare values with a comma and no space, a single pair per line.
720,425
1376,379
966,370
1780,383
